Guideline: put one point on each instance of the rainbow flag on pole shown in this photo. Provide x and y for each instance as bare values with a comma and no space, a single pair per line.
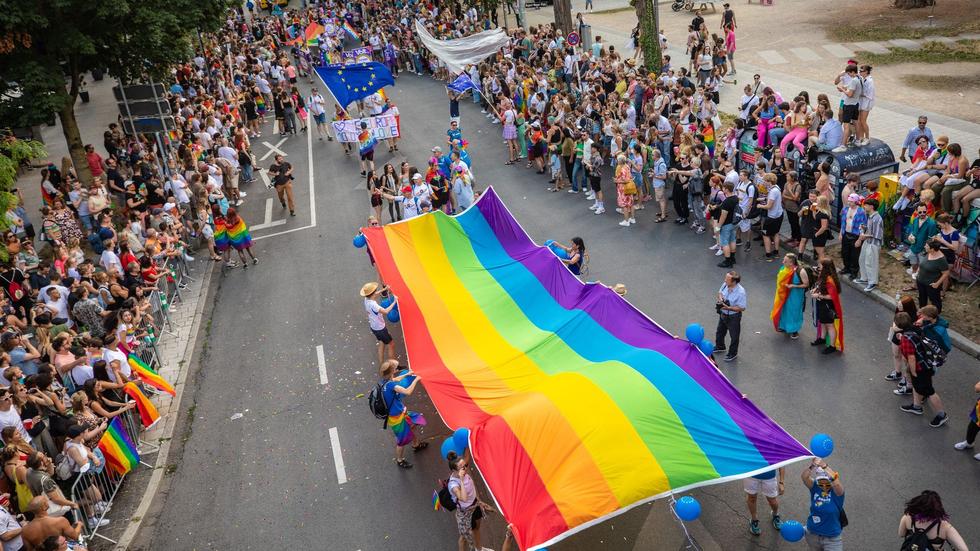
148,376
148,412
120,453
579,406
350,30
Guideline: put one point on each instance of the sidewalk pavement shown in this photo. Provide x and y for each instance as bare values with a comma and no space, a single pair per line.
889,121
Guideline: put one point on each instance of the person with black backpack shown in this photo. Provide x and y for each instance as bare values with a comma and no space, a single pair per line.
469,509
397,416
925,525
912,346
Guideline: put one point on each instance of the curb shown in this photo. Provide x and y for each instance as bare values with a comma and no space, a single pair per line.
959,340
136,519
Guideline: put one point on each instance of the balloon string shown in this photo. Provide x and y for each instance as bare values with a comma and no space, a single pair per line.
690,540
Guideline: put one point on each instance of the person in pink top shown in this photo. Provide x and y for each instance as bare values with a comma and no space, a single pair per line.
95,162
730,47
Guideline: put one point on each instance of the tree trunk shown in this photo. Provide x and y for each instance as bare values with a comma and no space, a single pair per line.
73,137
563,16
649,36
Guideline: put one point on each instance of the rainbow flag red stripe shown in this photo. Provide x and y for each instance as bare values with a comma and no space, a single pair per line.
148,412
149,376
120,453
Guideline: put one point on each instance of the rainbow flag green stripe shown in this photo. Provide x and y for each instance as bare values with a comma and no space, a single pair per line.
119,451
579,406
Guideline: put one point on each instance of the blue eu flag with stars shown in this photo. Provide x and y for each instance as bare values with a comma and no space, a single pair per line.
349,83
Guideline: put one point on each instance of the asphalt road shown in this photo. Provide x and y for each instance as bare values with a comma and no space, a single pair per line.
269,479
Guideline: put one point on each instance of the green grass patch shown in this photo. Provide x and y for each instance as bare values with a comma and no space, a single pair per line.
886,31
943,82
930,52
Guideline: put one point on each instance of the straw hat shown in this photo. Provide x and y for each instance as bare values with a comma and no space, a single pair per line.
369,289
619,289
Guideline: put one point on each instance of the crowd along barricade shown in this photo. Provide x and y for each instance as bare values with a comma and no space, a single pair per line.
101,483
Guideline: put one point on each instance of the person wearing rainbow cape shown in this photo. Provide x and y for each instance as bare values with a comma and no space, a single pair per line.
827,311
400,420
239,236
787,306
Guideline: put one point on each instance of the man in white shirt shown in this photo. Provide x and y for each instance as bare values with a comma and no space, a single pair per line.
57,303
109,259
773,206
746,192
421,189
316,104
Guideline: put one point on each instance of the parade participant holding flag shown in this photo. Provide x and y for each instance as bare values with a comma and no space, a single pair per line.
827,311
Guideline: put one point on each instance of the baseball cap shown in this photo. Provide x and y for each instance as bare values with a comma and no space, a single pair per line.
854,197
407,189
417,176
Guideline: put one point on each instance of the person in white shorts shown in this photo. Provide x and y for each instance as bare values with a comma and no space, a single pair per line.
865,104
770,484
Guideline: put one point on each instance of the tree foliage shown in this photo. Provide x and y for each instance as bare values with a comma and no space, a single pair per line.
47,45
649,37
13,153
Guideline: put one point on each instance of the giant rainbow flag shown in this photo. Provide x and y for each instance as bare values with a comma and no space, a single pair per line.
579,406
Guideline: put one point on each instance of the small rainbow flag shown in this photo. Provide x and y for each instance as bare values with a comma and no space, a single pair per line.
350,30
149,376
148,412
435,501
709,138
119,451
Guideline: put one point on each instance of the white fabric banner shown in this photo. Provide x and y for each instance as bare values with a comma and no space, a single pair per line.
460,52
381,127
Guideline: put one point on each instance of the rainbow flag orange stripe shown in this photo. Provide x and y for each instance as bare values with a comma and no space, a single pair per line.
783,278
579,406
120,453
149,376
148,412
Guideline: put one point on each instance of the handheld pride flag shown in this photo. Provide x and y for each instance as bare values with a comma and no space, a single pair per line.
350,30
149,376
579,406
120,453
148,412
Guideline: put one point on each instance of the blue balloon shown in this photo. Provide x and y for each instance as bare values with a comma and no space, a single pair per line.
462,437
694,333
559,252
449,446
360,240
386,302
393,315
822,445
706,346
687,508
791,530
549,242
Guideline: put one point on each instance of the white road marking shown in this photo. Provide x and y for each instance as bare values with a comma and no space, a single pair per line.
309,150
873,47
772,57
338,459
321,364
273,149
838,50
268,222
806,54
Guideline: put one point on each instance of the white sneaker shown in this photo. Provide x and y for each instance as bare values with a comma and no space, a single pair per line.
93,523
239,203
590,196
719,252
908,271
624,223
593,207
977,457
619,210
573,191
495,121
600,210
632,220
964,445
484,111
840,149
714,247
242,194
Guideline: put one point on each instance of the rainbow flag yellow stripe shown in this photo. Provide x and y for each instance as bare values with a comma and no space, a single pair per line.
148,376
579,406
120,453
